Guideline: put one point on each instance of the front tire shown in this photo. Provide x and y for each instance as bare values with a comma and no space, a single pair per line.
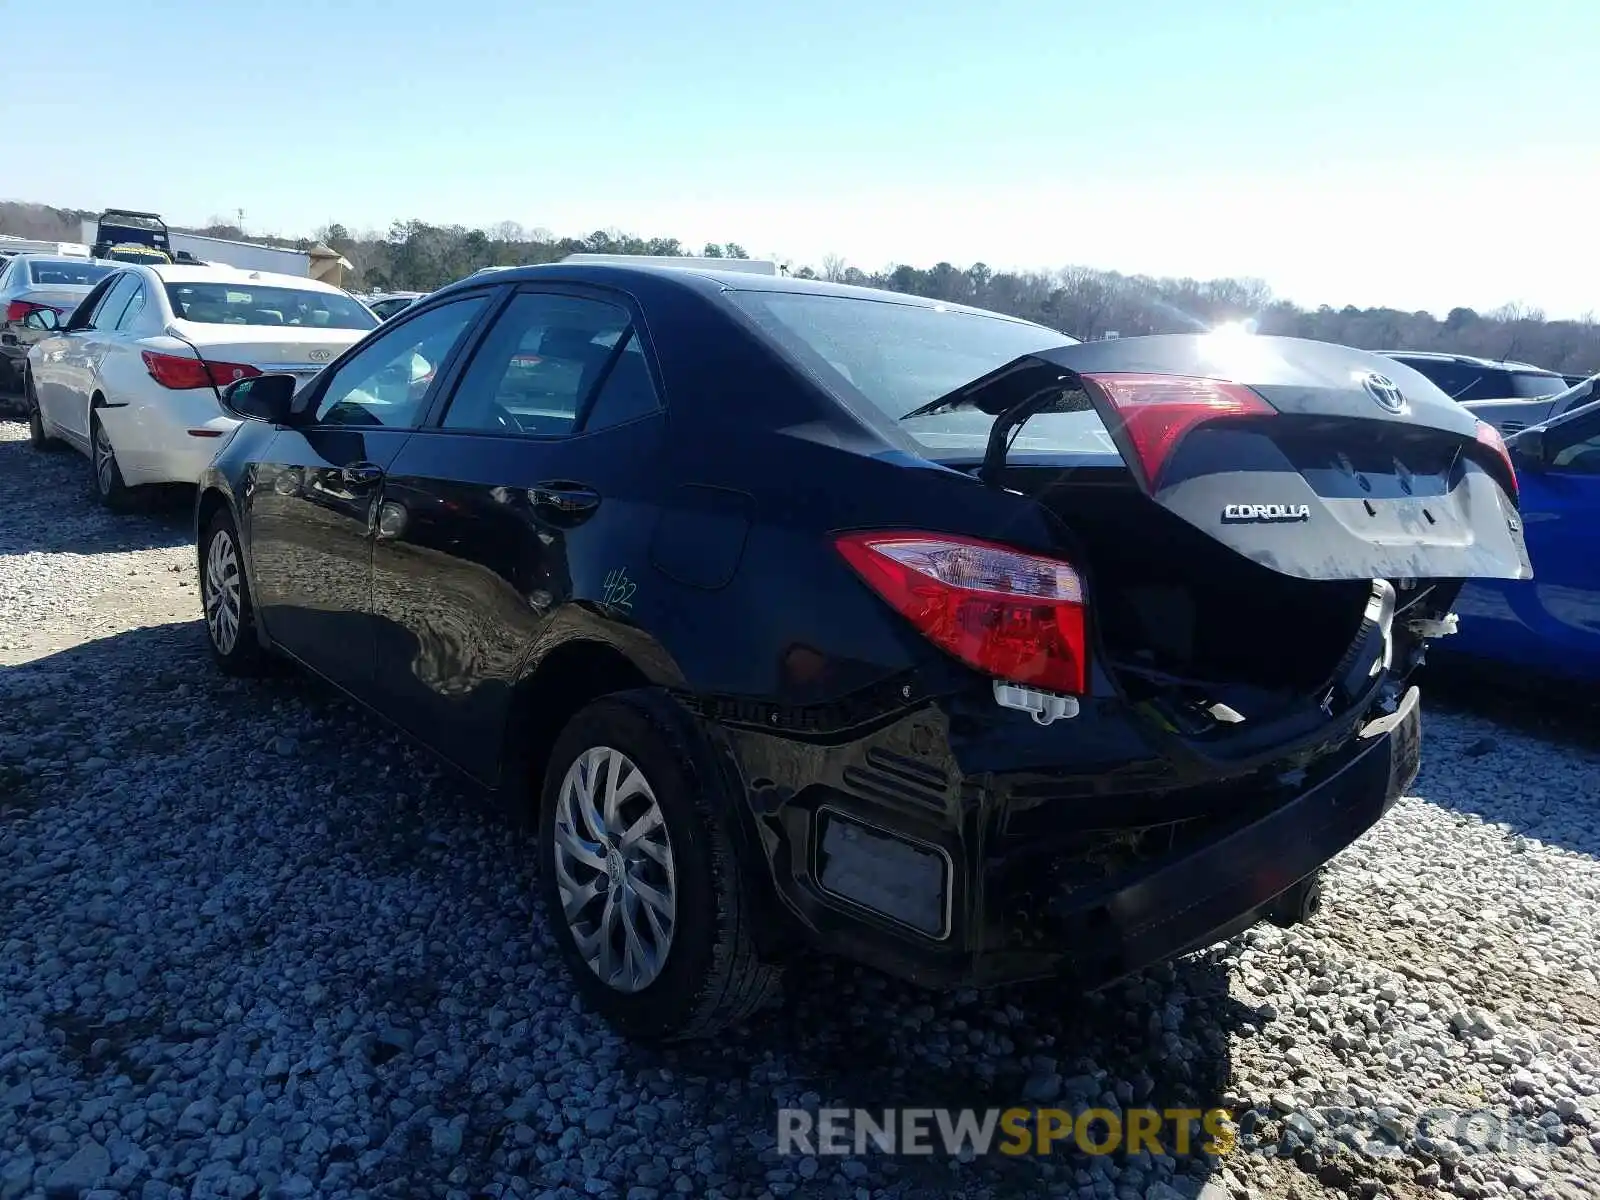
640,879
37,437
225,597
109,487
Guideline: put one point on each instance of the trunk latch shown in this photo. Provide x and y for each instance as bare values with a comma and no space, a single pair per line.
1427,629
1045,707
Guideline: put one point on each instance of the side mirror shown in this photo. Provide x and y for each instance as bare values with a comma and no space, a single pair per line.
261,398
43,319
1527,450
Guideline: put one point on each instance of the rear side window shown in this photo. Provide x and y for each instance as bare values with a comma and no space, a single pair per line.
53,273
546,355
387,381
114,302
135,307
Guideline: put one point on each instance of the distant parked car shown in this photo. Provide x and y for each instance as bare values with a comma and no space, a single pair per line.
131,379
32,283
1549,625
387,304
1463,378
806,615
1512,416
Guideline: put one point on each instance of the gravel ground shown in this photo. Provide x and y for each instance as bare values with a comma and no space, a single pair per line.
252,944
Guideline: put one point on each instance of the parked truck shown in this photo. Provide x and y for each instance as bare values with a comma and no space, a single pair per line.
126,227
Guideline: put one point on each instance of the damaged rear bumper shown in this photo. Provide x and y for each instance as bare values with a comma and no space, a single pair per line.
872,866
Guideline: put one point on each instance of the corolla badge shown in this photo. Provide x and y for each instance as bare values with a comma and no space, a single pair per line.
1237,514
1385,391
320,355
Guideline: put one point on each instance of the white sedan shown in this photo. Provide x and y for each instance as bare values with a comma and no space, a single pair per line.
131,378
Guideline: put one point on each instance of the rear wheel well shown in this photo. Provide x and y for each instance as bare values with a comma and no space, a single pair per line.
211,500
571,677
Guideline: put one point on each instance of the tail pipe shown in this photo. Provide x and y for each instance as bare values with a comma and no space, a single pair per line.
1298,904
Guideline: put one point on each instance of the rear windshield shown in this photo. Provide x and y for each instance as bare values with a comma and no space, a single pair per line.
66,273
899,356
237,304
1528,387
1466,381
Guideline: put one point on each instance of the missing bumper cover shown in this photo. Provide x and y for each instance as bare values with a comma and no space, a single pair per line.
904,881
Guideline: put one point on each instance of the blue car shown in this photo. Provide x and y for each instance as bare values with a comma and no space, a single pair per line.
1548,625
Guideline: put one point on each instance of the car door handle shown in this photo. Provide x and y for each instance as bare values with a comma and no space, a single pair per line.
566,498
362,473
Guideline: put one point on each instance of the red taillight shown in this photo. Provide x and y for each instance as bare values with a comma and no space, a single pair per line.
180,372
1489,438
18,310
1156,411
1012,615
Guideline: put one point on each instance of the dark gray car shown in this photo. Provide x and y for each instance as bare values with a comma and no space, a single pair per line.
1513,416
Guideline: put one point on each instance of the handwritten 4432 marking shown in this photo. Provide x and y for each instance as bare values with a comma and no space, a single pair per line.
617,591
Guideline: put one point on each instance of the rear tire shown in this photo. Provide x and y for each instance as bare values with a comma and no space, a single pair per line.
37,437
225,600
105,475
659,877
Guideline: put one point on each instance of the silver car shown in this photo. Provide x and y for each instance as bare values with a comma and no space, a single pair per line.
31,283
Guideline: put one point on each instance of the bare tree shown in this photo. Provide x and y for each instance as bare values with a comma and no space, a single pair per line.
834,267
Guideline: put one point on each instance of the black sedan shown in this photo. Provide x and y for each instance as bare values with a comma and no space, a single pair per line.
802,615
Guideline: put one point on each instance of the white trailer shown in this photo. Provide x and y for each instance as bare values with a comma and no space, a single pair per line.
11,244
247,256
319,262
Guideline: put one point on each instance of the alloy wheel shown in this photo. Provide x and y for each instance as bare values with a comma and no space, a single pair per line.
614,869
221,592
104,459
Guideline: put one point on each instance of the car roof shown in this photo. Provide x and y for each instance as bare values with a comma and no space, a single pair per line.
705,281
217,273
76,260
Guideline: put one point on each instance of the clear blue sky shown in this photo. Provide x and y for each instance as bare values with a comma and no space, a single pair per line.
1421,153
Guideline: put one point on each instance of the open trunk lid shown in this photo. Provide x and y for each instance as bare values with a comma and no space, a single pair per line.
1315,461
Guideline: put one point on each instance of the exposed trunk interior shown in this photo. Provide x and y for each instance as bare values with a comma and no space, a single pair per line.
1182,619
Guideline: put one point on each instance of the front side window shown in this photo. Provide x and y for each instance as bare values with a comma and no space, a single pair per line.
545,354
208,303
1580,458
387,382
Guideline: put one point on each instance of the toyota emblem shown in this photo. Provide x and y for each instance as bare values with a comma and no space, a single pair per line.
1385,391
